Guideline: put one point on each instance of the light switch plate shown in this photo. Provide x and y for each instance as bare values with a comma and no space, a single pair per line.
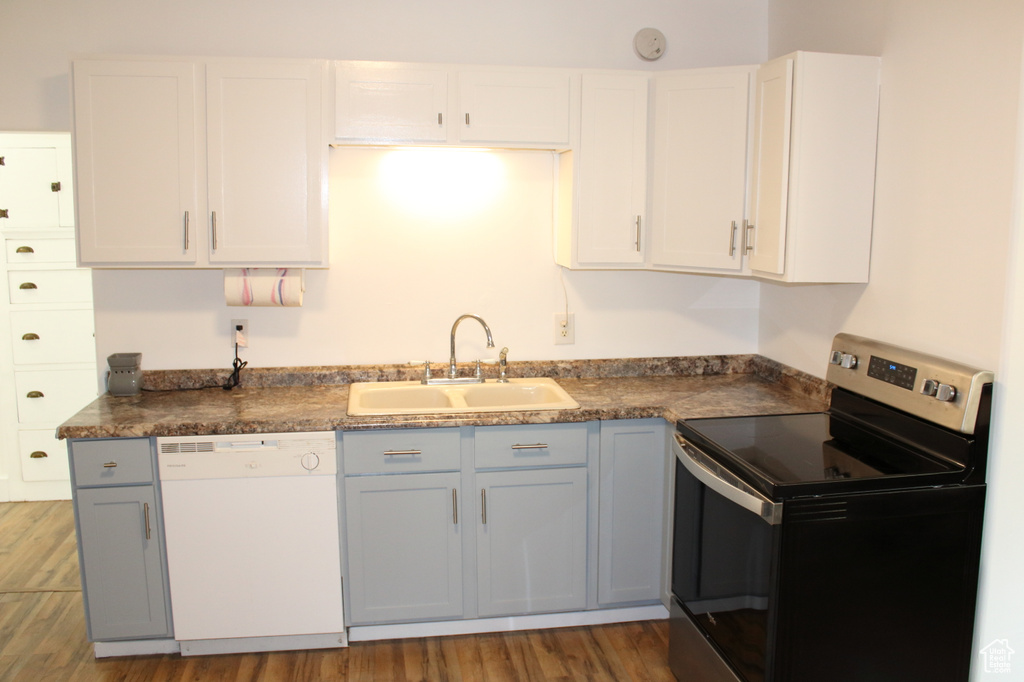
565,328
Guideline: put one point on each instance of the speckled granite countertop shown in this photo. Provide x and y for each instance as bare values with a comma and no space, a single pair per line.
177,403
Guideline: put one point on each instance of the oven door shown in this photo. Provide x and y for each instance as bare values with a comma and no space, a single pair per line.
725,538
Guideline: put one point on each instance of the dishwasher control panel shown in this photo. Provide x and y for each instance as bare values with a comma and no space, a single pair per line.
247,456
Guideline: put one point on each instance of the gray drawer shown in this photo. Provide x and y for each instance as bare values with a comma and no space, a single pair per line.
531,445
115,461
397,451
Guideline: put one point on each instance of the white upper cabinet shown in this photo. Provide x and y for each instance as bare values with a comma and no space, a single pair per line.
35,181
377,101
701,140
602,187
387,102
201,164
812,198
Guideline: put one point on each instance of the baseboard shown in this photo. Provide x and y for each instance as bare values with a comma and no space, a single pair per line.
135,647
245,645
366,633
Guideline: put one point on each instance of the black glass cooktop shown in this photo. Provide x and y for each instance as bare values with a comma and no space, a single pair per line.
809,453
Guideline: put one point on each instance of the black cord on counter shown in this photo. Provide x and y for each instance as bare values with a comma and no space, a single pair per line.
236,373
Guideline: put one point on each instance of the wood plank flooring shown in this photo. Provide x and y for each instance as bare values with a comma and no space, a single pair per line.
42,634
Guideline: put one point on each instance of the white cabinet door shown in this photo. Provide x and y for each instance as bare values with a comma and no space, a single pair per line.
135,143
35,181
816,126
390,103
266,161
612,171
404,547
514,107
632,466
531,541
773,124
700,168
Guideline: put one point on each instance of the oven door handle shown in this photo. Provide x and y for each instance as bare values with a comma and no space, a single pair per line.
725,483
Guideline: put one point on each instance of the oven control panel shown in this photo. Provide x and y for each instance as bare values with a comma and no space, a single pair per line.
930,387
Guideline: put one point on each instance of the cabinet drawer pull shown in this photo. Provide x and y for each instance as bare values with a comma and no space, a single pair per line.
38,454
145,510
439,118
34,394
24,249
109,465
396,453
530,446
483,506
732,240
4,213
213,222
27,285
30,337
748,236
455,507
638,234
467,118
54,186
186,231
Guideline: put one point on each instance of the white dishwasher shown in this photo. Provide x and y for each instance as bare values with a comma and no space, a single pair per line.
253,550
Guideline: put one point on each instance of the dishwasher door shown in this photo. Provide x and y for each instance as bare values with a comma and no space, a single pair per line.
253,550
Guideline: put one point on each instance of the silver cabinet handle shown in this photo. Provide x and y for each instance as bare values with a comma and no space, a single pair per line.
213,223
439,118
110,465
638,234
38,454
186,231
483,506
24,249
30,337
455,507
732,240
531,446
396,453
34,394
145,510
467,118
748,236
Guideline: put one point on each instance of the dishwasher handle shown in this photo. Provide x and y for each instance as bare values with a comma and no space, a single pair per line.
725,483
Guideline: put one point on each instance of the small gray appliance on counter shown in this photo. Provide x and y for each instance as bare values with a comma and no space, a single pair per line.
125,377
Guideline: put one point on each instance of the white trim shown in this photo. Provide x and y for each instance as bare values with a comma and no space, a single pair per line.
367,633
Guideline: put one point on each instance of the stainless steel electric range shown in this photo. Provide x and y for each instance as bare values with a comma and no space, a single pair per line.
835,546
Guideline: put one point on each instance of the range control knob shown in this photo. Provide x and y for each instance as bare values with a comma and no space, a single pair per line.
946,393
930,387
310,461
848,361
836,357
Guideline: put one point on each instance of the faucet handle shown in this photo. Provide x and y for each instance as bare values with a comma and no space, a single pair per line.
426,369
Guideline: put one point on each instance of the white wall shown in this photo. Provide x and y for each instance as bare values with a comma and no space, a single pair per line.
950,136
353,314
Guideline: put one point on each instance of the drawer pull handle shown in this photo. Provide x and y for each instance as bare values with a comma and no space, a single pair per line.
110,465
30,337
24,249
34,394
145,510
530,446
27,285
455,507
397,453
483,506
38,454
5,213
54,186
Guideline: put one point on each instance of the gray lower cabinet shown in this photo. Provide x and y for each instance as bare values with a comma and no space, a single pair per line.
404,547
631,511
532,541
120,539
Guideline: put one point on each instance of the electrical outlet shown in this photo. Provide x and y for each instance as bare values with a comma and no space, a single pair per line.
565,328
240,333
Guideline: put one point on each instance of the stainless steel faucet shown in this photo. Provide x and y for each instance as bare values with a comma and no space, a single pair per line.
487,330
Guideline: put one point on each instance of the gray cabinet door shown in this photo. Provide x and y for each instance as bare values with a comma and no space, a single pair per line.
404,547
532,540
632,466
122,565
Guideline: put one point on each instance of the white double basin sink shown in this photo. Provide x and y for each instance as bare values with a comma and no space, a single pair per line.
414,397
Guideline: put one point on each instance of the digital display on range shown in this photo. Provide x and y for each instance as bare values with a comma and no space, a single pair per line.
892,372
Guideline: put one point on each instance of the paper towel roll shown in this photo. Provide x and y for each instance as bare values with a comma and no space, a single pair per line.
264,286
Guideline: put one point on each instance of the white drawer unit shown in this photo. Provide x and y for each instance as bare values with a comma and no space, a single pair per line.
51,396
50,286
43,456
52,336
33,250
